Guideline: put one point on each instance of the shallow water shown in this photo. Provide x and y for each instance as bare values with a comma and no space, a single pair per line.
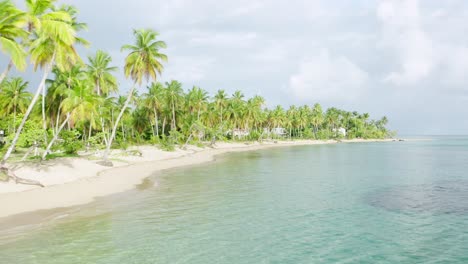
392,202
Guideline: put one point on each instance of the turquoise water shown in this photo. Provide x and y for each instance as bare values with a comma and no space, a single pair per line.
397,202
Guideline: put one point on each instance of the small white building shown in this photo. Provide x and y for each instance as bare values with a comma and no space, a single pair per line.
341,131
237,132
279,131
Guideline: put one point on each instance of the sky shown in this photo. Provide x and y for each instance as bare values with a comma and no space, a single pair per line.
405,59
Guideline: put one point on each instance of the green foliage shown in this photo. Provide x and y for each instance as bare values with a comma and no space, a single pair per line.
177,137
32,132
122,144
167,143
322,135
255,135
70,142
96,140
307,133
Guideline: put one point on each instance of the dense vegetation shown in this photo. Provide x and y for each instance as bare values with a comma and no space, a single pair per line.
77,104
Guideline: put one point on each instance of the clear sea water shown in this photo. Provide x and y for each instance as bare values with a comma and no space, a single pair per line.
397,202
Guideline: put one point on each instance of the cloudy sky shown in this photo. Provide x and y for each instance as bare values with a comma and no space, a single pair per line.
405,59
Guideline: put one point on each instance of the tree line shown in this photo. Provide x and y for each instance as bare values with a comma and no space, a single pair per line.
77,104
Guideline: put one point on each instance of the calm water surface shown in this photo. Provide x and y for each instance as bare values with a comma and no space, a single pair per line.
398,202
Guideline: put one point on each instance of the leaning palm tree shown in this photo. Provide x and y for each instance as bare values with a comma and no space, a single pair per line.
52,46
78,105
143,62
11,28
14,98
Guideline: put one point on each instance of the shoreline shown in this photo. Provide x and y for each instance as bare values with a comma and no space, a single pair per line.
78,181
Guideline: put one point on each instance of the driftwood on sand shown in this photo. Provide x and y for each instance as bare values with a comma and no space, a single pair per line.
11,175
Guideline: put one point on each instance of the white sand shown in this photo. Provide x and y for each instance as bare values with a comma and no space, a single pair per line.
76,181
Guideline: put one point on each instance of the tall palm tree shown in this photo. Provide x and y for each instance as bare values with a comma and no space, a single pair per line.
154,100
316,118
101,73
237,108
197,100
14,98
143,62
174,95
12,21
53,45
221,102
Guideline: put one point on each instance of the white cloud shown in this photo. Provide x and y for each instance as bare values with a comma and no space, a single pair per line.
402,30
325,77
236,39
247,8
188,70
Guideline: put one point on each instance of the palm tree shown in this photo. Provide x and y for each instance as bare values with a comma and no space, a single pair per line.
237,108
79,104
153,100
143,62
196,100
11,28
101,73
316,118
53,45
14,98
174,95
221,103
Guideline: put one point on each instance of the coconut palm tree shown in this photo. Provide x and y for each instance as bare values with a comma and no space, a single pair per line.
52,46
221,103
237,108
197,100
101,73
12,21
143,62
154,100
173,96
316,118
14,98
58,89
79,104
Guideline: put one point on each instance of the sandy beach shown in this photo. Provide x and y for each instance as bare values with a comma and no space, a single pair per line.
76,181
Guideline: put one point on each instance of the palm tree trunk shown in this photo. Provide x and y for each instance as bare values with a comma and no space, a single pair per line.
57,119
103,130
44,124
90,129
14,119
122,127
28,112
221,115
156,122
173,126
55,137
163,125
109,144
6,71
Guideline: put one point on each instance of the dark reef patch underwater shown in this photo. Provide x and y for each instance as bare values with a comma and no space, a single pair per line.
444,197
